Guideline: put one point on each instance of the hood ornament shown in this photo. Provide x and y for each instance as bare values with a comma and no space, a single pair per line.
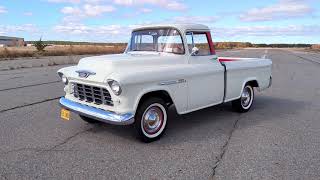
85,73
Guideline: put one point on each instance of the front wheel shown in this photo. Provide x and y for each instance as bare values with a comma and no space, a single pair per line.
244,103
151,119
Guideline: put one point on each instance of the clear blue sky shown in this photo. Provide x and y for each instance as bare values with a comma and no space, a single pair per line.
264,21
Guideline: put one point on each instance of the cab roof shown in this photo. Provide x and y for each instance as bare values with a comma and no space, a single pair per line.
181,27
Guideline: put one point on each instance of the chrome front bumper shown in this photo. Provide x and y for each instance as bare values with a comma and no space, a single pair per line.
98,114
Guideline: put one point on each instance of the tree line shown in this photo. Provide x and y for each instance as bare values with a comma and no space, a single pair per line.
232,45
75,43
218,45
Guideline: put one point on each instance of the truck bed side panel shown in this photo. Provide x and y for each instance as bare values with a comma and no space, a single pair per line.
242,70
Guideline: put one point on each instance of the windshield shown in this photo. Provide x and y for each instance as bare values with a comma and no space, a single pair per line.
157,40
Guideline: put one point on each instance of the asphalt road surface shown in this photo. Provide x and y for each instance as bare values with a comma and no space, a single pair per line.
278,139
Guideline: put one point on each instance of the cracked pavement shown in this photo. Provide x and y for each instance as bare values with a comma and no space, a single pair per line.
278,139
224,147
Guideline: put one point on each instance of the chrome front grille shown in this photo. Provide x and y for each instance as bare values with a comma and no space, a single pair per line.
92,94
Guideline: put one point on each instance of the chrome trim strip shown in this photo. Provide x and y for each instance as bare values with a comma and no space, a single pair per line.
270,82
172,82
98,114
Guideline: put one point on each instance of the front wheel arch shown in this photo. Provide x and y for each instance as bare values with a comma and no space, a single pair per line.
162,94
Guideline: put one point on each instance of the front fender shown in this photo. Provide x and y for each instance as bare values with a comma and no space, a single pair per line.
177,92
140,81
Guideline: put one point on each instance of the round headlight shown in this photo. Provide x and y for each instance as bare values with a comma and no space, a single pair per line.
115,87
64,79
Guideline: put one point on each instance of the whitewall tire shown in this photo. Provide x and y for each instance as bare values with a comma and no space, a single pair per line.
151,119
244,103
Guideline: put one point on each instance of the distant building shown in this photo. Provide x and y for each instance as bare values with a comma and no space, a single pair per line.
6,41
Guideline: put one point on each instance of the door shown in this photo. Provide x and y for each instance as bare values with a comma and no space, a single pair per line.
206,80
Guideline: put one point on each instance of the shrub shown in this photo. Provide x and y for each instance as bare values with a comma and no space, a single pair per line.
40,45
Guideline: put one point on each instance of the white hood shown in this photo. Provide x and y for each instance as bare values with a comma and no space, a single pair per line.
105,65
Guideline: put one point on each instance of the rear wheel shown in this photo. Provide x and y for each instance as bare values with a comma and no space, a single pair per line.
151,119
244,103
88,120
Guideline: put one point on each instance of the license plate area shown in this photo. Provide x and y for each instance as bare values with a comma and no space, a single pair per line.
65,114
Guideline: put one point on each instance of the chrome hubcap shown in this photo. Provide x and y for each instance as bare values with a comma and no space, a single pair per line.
246,97
152,120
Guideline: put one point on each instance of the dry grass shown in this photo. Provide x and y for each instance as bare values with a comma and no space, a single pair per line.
13,52
60,50
316,46
68,50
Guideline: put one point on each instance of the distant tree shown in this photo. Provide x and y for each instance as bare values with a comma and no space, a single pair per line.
40,45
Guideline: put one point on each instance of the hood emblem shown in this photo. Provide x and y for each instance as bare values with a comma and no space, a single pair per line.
85,73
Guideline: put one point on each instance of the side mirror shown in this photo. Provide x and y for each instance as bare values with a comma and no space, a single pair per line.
195,51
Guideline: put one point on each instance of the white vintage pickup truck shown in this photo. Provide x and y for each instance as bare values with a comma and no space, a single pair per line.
163,65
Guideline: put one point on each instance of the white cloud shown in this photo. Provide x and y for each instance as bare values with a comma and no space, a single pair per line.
281,10
95,10
71,10
76,1
8,29
145,10
198,19
28,13
102,33
137,13
174,5
184,19
64,1
121,33
81,29
72,29
93,1
3,10
267,31
87,10
167,4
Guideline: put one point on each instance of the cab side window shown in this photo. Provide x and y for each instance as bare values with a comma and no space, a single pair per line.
199,40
